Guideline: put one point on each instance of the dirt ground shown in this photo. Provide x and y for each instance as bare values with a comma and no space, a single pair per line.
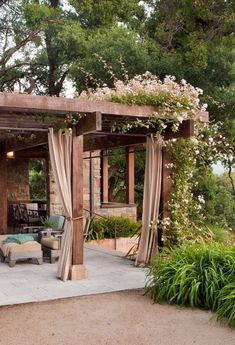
123,318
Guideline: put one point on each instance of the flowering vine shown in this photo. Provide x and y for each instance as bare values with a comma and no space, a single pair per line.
187,208
176,102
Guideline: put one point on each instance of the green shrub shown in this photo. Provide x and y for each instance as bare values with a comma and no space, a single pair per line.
194,276
218,234
226,303
112,227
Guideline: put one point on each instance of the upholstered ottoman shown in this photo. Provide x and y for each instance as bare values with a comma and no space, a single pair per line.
12,252
51,247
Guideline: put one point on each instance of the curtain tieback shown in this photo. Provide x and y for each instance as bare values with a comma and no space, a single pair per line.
74,219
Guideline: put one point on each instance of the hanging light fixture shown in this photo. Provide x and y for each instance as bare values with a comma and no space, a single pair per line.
10,154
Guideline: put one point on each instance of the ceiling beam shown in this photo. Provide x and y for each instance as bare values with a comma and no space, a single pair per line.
17,145
33,153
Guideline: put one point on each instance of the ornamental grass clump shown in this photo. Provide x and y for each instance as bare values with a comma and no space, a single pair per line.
226,304
198,276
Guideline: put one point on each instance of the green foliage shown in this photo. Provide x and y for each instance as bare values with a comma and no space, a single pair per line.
37,180
195,41
219,197
117,49
194,276
47,224
117,175
105,13
218,234
112,227
226,304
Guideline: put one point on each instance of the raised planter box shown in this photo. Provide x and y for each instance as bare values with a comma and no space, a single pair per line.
122,244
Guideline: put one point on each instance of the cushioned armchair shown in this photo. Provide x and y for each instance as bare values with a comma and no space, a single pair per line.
51,241
51,238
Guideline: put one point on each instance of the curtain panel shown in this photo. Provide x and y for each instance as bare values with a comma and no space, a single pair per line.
60,148
151,201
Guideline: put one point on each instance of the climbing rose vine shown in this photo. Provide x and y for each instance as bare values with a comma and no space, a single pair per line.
175,102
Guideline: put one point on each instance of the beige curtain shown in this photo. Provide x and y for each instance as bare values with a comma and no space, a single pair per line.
60,147
151,200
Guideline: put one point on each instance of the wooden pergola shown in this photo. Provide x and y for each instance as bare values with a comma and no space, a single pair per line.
35,114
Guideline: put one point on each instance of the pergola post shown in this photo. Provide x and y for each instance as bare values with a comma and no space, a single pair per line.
130,175
48,187
105,177
78,269
3,196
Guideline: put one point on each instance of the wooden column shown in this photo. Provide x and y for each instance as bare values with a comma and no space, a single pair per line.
130,175
78,270
48,187
91,184
3,196
105,177
166,184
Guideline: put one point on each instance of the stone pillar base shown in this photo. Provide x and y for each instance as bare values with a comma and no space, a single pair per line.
78,272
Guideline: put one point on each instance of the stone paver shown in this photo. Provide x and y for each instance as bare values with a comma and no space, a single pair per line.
29,282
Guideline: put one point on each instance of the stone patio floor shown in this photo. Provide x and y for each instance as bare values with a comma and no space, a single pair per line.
108,271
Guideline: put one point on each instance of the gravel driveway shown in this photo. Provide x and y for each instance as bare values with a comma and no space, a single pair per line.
122,318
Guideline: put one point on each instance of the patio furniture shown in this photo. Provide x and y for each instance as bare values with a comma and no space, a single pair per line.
51,246
51,242
12,252
28,216
56,220
51,238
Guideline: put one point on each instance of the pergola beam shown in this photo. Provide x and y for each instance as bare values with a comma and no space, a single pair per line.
29,122
89,124
110,141
58,105
97,140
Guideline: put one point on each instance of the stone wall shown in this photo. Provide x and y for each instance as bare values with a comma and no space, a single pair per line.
121,211
18,180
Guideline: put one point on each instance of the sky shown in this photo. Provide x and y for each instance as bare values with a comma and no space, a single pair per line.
218,168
